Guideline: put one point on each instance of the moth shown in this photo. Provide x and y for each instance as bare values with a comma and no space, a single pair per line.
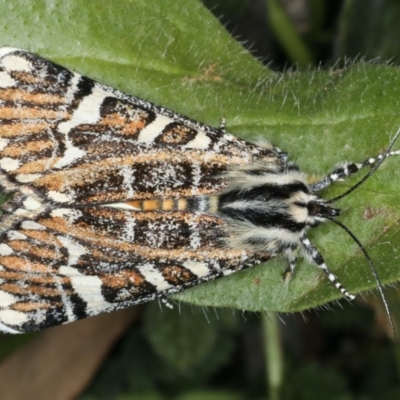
117,201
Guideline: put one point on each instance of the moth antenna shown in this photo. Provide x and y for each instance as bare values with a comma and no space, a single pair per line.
373,270
347,230
373,169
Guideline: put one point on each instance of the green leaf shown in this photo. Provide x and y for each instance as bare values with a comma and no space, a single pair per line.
182,342
189,340
176,54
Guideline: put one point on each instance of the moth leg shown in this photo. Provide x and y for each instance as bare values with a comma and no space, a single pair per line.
347,169
222,125
164,300
312,253
291,258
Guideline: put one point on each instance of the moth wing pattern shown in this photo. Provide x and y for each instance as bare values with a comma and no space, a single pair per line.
75,153
74,141
65,264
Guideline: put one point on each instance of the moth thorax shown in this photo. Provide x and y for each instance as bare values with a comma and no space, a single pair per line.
266,199
272,212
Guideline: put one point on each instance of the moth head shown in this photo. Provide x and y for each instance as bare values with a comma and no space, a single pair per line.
318,211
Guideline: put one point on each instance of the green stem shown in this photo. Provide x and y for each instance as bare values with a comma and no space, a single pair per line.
291,41
273,354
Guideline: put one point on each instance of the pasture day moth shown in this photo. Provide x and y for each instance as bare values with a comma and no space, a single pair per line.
117,201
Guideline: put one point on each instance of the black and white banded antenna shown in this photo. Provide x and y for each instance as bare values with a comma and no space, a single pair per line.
376,164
